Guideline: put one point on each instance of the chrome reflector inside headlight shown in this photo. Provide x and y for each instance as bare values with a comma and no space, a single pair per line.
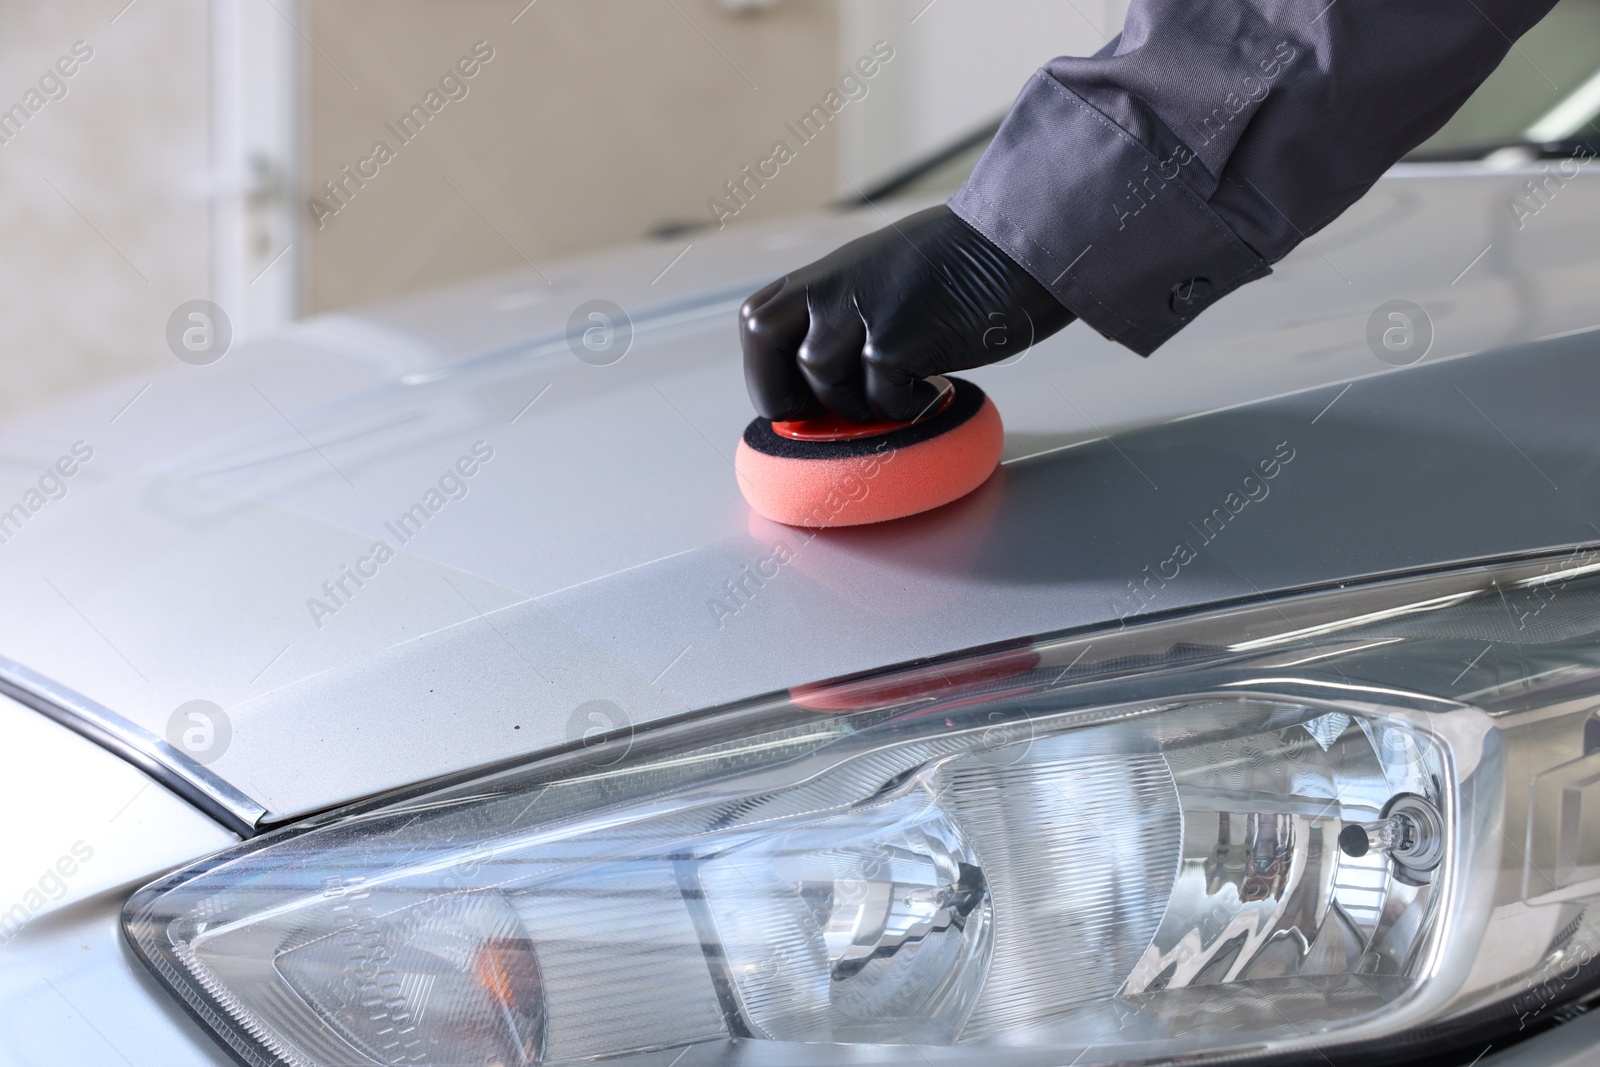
1326,823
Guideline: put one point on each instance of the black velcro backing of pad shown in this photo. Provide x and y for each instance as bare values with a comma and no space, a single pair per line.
968,400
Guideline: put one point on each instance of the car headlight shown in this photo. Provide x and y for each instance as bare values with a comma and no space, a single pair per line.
1357,819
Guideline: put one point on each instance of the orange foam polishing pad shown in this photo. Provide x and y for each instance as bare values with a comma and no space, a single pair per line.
899,470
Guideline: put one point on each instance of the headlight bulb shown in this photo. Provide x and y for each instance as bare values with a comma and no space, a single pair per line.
1410,831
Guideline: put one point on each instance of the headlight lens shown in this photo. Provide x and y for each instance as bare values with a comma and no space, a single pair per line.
1342,819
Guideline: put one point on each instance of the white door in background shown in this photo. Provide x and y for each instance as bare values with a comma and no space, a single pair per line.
257,52
156,172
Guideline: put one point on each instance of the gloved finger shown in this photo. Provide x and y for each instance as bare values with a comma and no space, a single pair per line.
895,391
830,359
772,325
890,382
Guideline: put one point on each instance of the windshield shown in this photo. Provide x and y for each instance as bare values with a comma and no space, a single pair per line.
1545,95
1546,92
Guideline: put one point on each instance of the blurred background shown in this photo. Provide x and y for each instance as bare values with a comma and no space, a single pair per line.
227,149
285,158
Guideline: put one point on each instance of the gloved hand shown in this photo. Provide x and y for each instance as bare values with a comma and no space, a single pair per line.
857,331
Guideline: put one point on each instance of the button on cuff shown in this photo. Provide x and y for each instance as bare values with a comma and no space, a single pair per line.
1112,231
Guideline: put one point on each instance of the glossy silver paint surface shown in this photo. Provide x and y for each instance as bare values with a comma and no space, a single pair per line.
601,568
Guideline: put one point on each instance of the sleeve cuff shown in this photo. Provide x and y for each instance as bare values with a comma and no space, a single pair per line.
1103,223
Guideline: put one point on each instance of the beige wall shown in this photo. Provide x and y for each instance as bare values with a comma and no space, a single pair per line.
596,121
90,269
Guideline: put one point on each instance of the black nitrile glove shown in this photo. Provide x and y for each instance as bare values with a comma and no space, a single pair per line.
857,331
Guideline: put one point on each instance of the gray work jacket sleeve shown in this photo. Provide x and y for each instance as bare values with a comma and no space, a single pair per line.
1212,136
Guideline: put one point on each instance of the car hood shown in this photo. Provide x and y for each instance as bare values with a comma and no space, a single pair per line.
425,536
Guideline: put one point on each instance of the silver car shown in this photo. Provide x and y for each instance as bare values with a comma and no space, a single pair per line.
414,687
